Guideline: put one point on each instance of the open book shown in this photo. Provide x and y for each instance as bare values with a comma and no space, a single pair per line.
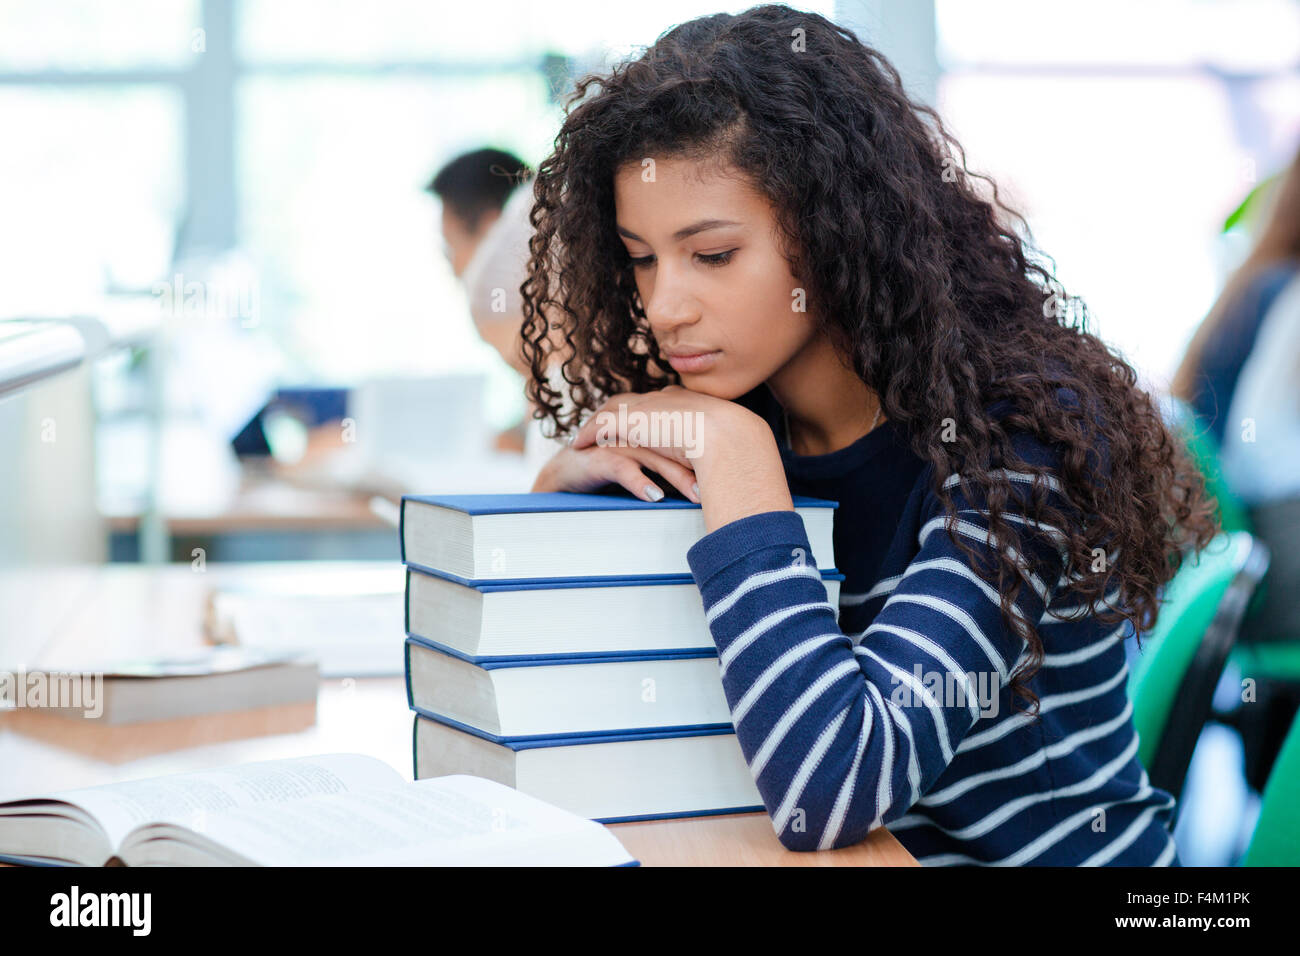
327,810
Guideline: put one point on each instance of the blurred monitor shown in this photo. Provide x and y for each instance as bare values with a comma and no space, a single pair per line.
402,423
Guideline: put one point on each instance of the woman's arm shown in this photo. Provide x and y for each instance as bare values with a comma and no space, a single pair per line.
743,475
842,734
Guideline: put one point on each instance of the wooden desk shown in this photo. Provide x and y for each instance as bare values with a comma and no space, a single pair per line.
153,609
310,496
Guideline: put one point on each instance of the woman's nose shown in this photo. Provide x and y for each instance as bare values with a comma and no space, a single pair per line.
671,305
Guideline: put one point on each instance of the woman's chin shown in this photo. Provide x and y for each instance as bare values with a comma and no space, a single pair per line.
712,385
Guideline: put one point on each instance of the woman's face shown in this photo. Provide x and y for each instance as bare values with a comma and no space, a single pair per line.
714,284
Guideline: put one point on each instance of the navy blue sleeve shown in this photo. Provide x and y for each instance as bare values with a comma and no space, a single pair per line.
844,734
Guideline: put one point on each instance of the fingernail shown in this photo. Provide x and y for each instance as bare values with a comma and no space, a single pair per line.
695,489
653,493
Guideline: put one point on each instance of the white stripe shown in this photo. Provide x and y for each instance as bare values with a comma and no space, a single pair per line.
1112,559
758,580
1050,702
1026,477
909,820
1078,612
1063,829
954,566
797,710
1166,854
884,790
1061,539
1033,761
984,536
883,586
889,584
1048,839
775,670
806,770
948,609
1125,839
918,691
835,822
923,643
945,564
1085,653
1094,781
948,859
900,721
761,627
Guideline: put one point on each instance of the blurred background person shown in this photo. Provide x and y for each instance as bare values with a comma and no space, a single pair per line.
1241,378
486,199
1211,368
475,189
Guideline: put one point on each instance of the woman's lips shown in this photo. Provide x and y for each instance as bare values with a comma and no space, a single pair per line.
700,362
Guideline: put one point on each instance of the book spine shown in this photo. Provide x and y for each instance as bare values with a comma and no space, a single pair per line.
543,660
576,738
415,747
679,814
580,581
406,654
401,530
406,603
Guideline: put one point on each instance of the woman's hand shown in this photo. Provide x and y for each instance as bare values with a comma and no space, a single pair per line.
731,452
674,422
587,469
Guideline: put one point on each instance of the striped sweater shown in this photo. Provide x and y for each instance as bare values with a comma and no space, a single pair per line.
899,713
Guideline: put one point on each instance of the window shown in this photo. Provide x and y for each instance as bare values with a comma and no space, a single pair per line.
1126,133
302,132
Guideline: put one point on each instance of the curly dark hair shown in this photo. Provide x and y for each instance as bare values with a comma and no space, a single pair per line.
909,272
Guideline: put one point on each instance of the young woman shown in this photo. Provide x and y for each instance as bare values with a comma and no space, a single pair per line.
753,229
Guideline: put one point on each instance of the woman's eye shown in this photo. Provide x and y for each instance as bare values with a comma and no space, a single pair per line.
717,259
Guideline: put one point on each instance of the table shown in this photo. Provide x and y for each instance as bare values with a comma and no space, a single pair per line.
46,613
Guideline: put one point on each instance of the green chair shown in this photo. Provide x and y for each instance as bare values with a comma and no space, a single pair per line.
1273,664
1204,451
1264,722
1172,684
1276,840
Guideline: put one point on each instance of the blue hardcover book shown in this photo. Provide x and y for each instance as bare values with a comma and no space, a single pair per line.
553,620
539,698
609,778
562,535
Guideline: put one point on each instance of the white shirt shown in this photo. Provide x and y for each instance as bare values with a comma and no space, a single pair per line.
501,261
1261,444
538,448
493,276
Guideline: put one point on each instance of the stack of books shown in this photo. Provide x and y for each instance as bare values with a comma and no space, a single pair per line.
557,643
